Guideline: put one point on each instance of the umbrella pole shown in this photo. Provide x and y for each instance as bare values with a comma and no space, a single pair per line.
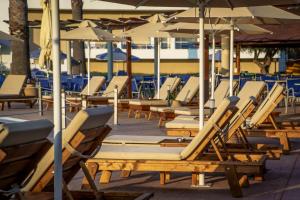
158,68
213,62
201,65
89,66
57,101
231,58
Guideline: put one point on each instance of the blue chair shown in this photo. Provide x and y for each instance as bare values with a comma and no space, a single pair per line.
135,89
121,73
2,77
293,90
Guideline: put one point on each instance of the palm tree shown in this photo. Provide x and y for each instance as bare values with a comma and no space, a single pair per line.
78,47
18,26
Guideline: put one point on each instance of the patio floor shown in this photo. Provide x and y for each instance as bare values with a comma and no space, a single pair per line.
282,180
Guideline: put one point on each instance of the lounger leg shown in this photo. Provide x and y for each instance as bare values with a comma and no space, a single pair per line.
233,181
284,141
125,173
150,115
129,113
244,181
164,177
105,177
8,105
90,171
67,191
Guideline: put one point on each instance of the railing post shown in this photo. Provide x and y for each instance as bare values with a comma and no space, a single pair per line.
84,102
116,105
63,109
40,100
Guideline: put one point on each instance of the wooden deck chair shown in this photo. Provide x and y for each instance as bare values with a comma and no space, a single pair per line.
74,99
184,98
221,92
80,140
264,124
181,159
12,91
21,144
142,106
116,81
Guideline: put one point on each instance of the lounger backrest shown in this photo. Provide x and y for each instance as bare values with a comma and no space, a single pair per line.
273,98
22,142
189,90
119,81
221,92
170,82
244,110
219,119
84,125
251,88
95,84
13,85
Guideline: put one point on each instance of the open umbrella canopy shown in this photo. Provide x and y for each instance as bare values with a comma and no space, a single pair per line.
88,31
45,34
142,33
118,55
182,27
209,3
242,15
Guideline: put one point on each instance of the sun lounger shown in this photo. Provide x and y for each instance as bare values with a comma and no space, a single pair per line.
74,99
264,124
80,140
184,98
20,144
116,81
139,106
191,158
221,92
12,91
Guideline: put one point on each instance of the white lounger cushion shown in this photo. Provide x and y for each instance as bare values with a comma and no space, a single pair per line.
95,85
13,85
139,152
182,124
170,82
137,139
251,88
119,81
189,90
150,102
267,106
23,132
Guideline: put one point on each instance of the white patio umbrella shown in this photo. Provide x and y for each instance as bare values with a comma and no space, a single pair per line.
214,29
45,34
202,4
152,29
242,15
88,31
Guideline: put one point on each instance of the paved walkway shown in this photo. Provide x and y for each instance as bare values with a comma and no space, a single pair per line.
282,177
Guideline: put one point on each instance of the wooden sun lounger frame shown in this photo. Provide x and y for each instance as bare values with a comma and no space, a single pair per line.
236,130
230,164
272,129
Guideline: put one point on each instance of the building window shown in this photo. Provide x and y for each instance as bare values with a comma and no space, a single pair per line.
186,43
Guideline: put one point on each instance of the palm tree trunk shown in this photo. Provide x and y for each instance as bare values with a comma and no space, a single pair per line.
18,25
78,47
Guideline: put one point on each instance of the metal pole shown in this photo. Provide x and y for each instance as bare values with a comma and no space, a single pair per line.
201,65
116,105
231,58
40,99
158,68
63,109
109,60
57,101
69,64
89,66
213,62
